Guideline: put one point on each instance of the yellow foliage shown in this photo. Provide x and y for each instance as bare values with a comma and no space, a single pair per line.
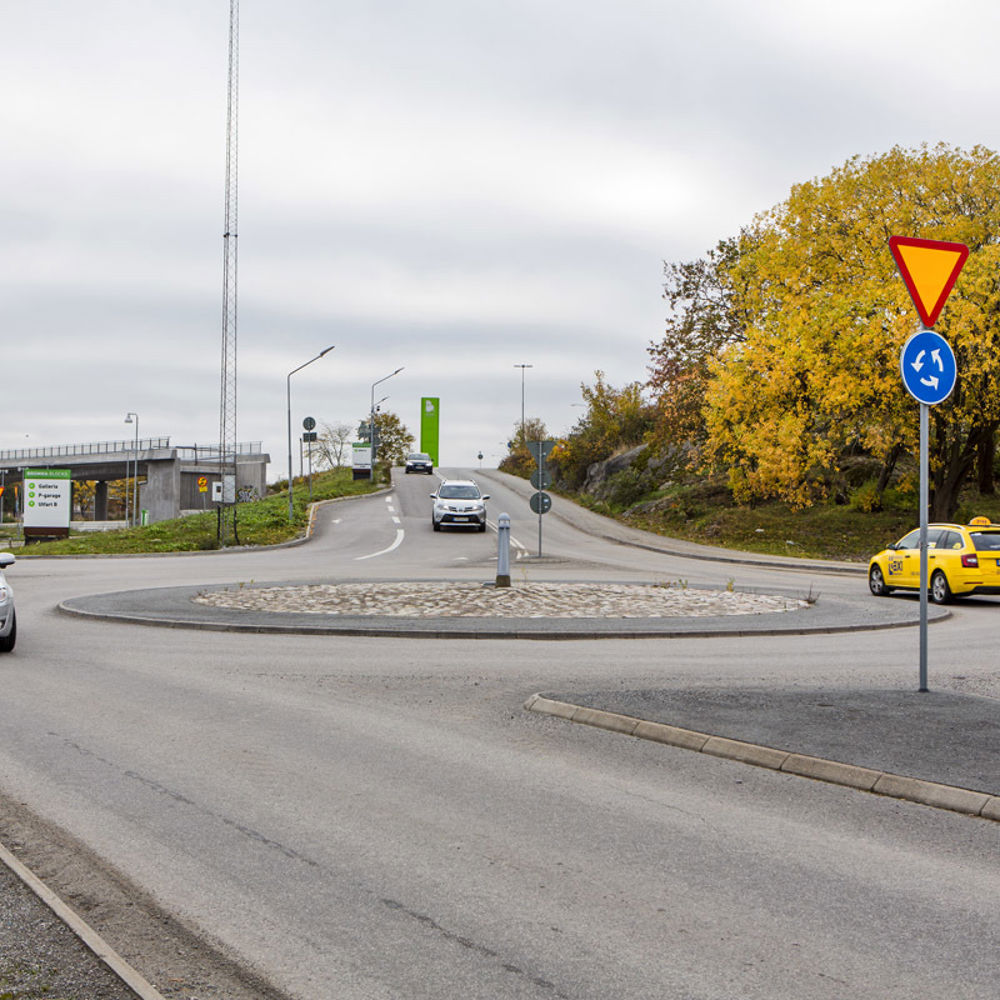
827,315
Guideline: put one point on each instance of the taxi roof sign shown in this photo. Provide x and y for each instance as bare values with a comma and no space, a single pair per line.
930,269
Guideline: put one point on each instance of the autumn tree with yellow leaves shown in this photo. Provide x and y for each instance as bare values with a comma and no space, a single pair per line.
812,368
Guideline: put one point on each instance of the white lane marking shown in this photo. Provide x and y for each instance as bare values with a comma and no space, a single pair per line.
522,550
395,545
396,520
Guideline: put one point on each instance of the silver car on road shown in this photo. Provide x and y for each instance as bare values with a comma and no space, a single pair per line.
8,620
459,502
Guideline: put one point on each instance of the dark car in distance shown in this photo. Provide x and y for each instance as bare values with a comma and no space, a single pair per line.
419,462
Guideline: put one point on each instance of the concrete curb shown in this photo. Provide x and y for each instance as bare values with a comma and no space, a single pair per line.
99,607
895,786
83,931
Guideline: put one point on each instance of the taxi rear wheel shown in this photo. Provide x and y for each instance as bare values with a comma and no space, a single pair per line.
876,583
940,591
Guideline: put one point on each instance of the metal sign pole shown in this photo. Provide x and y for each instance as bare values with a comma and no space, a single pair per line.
541,480
924,501
929,269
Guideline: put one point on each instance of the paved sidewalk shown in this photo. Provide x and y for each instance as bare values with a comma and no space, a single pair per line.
937,738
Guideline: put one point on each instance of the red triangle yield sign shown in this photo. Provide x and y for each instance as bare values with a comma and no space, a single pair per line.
930,269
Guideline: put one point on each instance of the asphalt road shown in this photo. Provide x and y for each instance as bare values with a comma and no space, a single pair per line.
357,817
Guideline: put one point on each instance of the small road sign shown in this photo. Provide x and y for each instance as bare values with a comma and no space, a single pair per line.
540,503
540,449
928,366
930,269
541,480
309,423
203,484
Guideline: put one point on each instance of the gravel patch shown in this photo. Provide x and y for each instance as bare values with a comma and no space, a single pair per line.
473,600
40,957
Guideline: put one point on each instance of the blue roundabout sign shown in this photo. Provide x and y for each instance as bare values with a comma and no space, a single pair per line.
927,363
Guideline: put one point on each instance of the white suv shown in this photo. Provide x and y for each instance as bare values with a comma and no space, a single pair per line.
458,501
8,620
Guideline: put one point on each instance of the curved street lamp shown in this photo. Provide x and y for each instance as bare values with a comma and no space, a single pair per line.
522,367
288,389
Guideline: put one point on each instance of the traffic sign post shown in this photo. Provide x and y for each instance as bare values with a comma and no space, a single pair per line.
930,269
309,436
928,366
540,502
927,363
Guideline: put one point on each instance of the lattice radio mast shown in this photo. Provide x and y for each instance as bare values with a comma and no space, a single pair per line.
227,399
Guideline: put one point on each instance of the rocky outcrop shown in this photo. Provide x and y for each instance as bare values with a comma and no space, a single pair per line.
600,472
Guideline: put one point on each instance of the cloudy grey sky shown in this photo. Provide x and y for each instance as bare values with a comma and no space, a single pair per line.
454,187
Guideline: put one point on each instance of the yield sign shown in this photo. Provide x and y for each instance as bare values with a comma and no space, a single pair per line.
930,269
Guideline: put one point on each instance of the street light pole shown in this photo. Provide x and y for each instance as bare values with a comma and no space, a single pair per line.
131,417
288,397
371,416
522,367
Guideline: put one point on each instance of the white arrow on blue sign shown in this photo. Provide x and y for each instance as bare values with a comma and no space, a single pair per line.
927,363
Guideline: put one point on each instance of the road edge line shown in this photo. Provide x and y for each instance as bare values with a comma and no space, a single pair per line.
929,793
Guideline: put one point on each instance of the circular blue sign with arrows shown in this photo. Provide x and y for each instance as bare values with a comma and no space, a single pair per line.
928,366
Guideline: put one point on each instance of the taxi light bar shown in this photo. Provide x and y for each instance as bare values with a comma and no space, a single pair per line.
970,561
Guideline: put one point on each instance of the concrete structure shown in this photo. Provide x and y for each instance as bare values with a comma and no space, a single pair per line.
177,478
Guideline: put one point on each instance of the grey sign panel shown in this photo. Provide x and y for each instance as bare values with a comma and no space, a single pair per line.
541,503
540,449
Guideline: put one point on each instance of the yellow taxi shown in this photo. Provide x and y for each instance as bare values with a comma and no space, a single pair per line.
962,559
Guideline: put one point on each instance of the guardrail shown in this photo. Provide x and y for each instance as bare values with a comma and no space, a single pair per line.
71,450
210,453
22,456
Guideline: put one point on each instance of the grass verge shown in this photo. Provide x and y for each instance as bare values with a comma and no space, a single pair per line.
260,522
705,513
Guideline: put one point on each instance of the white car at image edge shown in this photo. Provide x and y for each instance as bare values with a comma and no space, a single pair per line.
8,620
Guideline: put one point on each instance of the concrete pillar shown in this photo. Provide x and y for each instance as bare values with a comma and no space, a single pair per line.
161,495
101,501
253,474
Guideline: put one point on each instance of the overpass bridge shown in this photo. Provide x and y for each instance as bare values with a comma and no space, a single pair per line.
171,472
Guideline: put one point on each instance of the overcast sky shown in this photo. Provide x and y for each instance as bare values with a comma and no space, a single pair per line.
452,187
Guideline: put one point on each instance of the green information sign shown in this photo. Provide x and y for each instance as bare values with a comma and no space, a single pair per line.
430,413
47,498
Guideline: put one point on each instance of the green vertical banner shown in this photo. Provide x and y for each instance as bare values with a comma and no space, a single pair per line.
430,414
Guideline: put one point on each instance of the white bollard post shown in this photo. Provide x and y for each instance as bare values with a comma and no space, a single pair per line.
503,550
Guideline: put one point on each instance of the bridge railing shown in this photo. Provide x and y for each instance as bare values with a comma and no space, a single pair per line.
22,455
210,452
187,452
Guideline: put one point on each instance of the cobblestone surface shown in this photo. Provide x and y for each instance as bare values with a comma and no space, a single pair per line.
473,600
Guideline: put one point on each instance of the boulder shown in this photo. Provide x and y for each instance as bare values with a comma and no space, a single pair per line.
600,472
